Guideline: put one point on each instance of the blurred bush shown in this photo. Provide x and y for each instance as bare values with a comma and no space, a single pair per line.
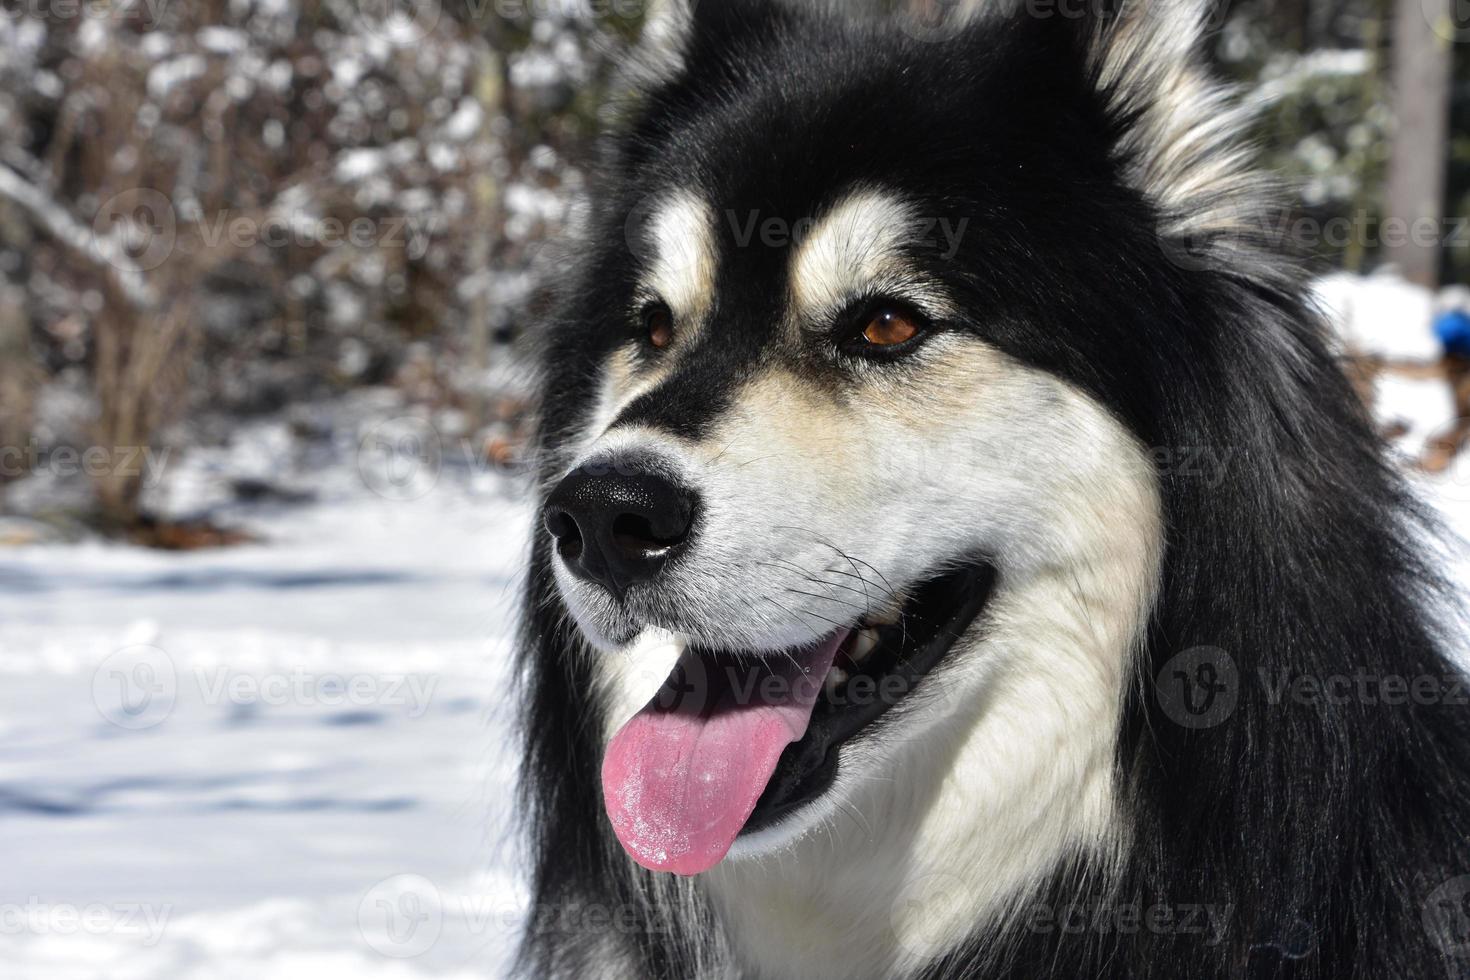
221,208
224,210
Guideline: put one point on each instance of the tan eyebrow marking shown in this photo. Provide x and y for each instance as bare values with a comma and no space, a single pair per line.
857,241
682,268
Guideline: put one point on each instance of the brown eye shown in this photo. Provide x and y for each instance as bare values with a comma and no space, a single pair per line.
890,327
659,323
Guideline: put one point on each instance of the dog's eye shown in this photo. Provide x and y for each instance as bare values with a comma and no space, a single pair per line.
882,330
658,326
890,327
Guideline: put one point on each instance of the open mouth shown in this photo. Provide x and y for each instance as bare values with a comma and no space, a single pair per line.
734,742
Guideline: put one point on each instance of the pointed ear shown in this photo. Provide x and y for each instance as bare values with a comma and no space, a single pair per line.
1182,133
660,51
675,31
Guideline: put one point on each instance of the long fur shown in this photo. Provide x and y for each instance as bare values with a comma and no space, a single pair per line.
1125,259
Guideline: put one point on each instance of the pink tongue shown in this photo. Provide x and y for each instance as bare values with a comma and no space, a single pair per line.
680,781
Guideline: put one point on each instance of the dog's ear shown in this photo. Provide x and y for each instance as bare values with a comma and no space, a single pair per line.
677,31
661,48
1182,134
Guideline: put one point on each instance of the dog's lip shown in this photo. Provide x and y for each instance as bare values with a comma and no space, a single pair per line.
940,612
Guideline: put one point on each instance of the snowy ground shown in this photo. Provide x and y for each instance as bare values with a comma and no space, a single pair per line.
282,760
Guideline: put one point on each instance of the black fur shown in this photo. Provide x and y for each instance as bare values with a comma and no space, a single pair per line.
1324,828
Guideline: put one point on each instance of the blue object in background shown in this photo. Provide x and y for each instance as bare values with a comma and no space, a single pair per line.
1453,330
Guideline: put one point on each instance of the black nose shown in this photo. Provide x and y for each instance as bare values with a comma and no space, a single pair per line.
617,528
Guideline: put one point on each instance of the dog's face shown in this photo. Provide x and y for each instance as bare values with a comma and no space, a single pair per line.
830,428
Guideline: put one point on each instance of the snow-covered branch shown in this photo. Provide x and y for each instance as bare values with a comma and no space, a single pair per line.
103,252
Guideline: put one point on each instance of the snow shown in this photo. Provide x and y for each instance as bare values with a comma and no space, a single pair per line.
312,774
535,69
466,122
21,36
1289,73
222,40
1422,407
357,164
1381,315
169,75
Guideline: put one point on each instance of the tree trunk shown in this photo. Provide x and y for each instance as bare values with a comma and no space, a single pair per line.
17,383
1413,225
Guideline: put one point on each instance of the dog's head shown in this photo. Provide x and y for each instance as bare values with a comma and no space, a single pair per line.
845,419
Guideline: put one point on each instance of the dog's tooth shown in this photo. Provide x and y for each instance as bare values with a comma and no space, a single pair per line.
836,677
888,615
863,644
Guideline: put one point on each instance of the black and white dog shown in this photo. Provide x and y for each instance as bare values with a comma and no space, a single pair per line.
958,553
